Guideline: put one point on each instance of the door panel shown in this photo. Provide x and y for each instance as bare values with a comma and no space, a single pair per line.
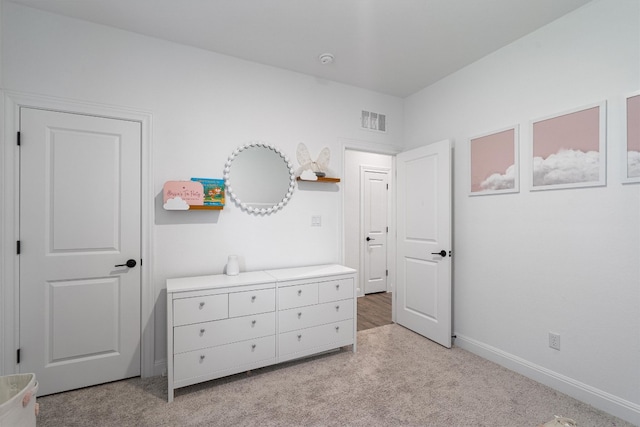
79,218
375,224
97,199
424,229
376,263
421,190
95,302
421,300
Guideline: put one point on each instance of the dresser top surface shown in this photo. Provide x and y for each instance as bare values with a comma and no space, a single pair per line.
183,284
309,272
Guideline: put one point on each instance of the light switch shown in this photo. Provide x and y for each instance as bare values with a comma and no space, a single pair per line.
316,221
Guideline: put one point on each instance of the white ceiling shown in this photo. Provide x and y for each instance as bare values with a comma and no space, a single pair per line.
395,47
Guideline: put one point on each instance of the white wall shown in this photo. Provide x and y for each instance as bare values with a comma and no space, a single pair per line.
566,260
203,106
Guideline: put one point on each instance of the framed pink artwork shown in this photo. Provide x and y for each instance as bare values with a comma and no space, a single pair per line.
493,159
569,149
632,153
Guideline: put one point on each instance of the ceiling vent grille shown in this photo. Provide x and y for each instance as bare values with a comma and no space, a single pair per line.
373,121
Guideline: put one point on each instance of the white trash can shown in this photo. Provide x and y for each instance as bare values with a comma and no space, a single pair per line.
18,400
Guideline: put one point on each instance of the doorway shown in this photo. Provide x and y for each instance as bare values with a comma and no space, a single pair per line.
423,291
80,228
11,355
427,187
365,174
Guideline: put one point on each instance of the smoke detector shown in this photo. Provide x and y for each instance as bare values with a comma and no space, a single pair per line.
326,58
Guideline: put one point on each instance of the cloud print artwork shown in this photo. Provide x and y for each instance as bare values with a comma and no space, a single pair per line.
500,181
633,164
566,167
493,162
568,149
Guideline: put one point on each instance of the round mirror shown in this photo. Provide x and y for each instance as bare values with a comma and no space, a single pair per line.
259,178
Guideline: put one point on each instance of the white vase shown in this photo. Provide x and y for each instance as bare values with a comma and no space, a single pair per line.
232,266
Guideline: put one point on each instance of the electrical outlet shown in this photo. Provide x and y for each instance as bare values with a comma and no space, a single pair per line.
554,340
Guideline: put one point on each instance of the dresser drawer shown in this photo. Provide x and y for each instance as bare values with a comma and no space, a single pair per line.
222,358
335,290
297,296
200,309
210,334
302,340
252,302
314,315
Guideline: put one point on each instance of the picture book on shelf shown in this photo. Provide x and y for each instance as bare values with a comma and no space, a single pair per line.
213,191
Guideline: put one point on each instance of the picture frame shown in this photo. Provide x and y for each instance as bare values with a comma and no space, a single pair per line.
568,149
631,153
493,162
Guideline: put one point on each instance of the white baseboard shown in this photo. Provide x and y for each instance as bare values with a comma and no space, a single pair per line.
602,400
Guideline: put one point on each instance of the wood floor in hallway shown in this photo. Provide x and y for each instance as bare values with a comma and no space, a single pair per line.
374,310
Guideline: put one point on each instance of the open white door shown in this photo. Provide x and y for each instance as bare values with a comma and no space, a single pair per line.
80,249
424,241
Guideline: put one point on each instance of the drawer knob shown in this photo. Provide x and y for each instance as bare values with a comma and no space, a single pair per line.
201,304
253,298
253,323
299,315
299,337
201,357
337,287
337,308
299,292
253,347
337,328
201,331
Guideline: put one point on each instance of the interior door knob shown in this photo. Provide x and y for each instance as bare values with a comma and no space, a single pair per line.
442,253
130,263
369,239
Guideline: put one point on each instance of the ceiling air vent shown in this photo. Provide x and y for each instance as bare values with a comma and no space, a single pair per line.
373,121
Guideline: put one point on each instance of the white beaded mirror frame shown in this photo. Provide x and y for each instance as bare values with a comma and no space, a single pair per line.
249,205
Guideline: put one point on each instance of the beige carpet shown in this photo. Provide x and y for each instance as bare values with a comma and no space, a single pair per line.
396,378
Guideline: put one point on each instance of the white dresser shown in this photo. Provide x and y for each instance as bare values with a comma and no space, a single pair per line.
221,325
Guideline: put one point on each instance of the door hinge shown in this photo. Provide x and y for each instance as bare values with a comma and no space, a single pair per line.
386,272
387,186
18,356
387,229
18,247
18,139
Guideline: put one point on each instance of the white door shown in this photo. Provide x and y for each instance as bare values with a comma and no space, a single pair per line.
424,233
374,208
79,222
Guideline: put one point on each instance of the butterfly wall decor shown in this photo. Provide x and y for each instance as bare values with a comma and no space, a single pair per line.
320,166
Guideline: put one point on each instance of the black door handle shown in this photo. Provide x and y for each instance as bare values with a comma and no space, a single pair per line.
442,253
130,263
369,238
